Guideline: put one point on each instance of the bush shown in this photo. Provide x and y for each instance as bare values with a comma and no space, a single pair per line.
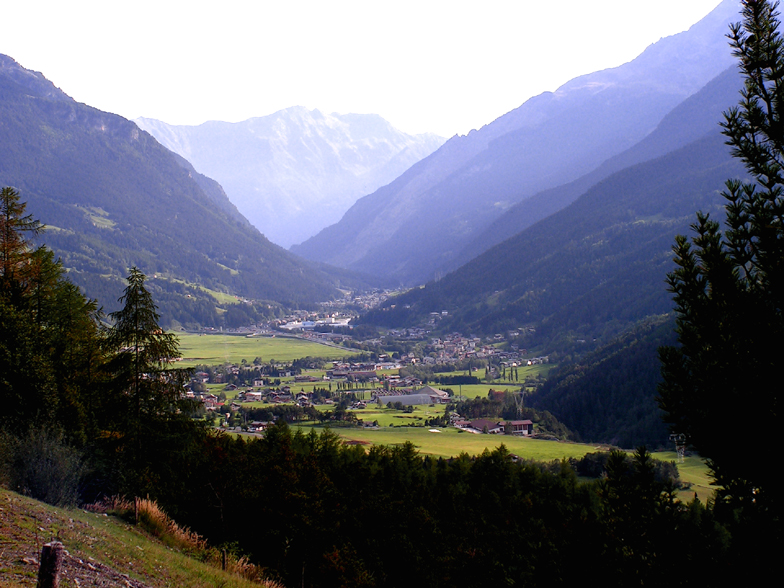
42,466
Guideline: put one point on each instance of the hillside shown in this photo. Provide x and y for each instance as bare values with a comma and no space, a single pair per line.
692,119
589,270
610,395
412,229
102,551
296,171
113,197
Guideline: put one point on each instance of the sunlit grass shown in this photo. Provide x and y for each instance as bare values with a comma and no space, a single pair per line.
219,349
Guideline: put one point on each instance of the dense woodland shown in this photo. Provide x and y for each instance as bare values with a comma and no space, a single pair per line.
610,395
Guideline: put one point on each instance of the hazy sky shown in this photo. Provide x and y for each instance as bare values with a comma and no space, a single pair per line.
440,66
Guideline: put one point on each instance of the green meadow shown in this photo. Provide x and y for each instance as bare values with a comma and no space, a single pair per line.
450,442
397,427
471,391
694,471
199,349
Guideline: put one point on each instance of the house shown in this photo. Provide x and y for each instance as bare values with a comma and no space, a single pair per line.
524,428
363,376
259,426
486,425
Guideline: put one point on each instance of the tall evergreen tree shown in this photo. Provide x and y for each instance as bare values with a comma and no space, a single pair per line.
721,386
152,415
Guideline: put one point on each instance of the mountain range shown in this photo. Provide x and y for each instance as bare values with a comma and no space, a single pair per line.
597,266
296,171
112,197
420,225
586,283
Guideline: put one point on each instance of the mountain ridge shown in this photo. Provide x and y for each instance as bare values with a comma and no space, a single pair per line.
551,139
695,117
281,167
113,198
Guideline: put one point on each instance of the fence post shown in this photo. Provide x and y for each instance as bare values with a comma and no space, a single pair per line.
51,563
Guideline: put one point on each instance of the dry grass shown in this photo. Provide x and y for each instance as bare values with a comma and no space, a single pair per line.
149,516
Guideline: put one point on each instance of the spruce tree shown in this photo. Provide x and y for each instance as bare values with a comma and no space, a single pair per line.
721,385
152,415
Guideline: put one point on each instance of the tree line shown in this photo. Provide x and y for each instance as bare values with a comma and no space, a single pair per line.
99,390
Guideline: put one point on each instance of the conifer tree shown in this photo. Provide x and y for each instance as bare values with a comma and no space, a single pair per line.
16,228
721,386
151,411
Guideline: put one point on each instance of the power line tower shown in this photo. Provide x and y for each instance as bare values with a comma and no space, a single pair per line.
680,445
518,398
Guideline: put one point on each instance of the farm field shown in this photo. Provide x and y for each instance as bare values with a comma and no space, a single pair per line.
450,442
470,391
523,372
693,470
217,349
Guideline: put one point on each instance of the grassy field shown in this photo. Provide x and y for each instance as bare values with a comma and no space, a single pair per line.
471,391
522,372
26,524
451,442
694,471
218,349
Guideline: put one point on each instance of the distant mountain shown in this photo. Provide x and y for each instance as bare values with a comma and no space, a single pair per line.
597,266
296,171
112,197
414,228
694,118
589,270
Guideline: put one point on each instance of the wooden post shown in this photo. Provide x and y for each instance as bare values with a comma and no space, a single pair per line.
51,563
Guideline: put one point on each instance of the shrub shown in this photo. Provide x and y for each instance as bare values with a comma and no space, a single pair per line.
42,466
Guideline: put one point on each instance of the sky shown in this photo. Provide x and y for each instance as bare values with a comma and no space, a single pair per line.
425,66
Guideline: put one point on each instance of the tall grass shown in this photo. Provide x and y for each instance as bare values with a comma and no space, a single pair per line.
150,517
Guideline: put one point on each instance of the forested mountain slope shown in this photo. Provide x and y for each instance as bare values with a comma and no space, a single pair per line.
610,395
113,197
590,270
296,171
412,229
